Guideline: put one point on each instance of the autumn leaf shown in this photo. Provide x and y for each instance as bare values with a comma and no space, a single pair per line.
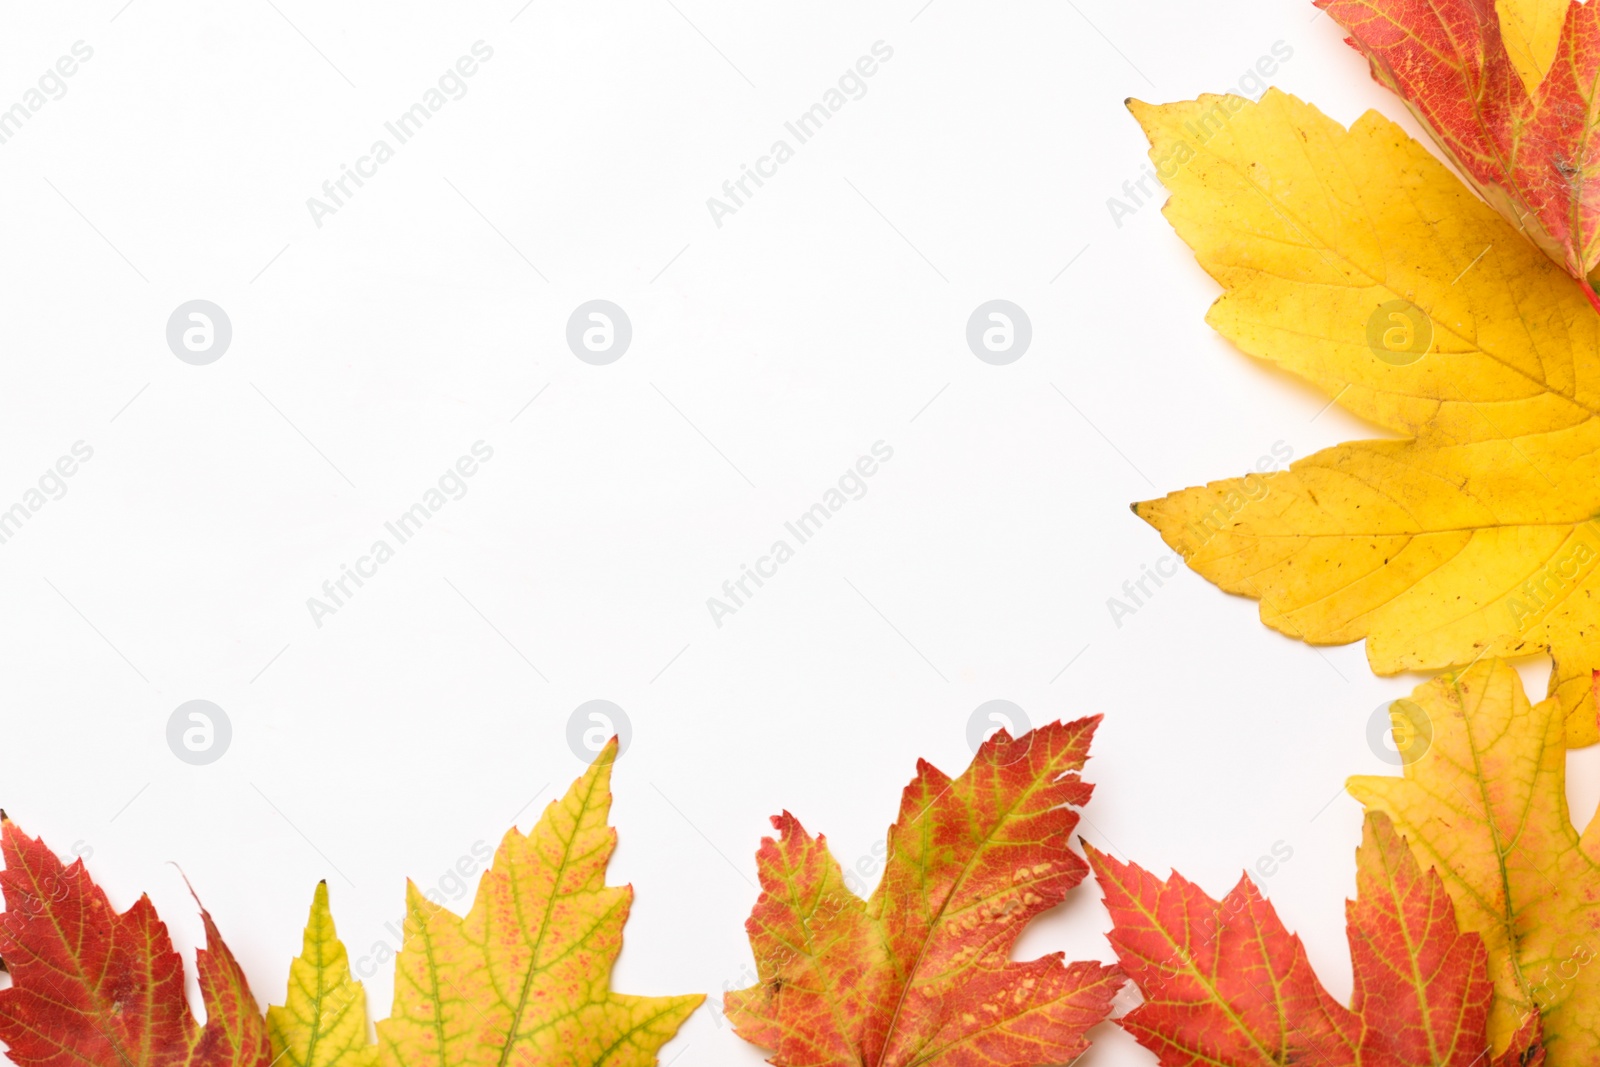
1484,803
1531,30
1511,92
1353,259
92,988
1225,985
921,972
523,979
323,1020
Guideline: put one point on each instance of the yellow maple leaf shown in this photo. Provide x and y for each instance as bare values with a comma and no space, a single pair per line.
323,1020
523,979
1355,260
1484,802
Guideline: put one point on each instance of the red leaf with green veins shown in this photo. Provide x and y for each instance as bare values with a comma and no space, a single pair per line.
91,988
921,972
1512,94
1225,985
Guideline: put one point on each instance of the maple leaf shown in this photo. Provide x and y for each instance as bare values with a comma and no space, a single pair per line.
523,979
323,1020
1225,985
1511,97
92,988
1485,804
1473,535
920,973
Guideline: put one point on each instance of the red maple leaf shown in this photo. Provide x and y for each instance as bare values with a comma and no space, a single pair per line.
1225,985
1529,149
91,988
921,972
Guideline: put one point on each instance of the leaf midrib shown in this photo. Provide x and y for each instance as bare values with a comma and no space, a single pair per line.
1036,784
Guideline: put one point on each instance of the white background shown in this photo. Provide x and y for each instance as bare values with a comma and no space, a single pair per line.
827,314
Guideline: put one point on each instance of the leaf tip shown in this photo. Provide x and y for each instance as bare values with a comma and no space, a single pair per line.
1140,109
1095,857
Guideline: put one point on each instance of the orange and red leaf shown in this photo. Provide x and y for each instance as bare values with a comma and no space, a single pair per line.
921,972
1226,985
1527,139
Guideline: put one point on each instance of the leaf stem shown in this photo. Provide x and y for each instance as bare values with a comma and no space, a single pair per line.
1589,293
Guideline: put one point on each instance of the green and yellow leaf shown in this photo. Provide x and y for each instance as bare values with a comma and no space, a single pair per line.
525,976
323,1019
